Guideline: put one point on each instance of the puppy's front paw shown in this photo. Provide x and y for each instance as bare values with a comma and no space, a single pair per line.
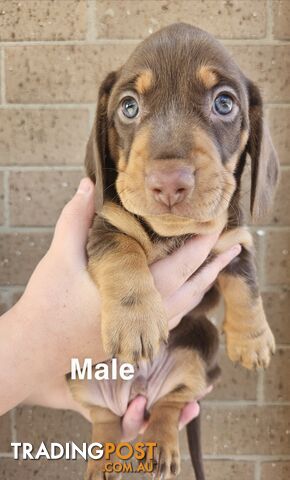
133,328
251,349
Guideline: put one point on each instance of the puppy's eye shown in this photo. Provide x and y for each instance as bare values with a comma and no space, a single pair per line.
130,107
223,104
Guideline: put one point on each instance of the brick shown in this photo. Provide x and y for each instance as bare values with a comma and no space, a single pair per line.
273,470
45,20
37,424
281,19
268,66
220,469
277,307
43,137
37,198
70,73
281,208
246,430
16,296
236,382
131,19
11,469
279,123
1,198
277,260
5,436
276,383
19,255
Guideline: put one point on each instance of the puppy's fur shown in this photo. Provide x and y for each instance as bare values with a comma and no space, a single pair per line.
175,76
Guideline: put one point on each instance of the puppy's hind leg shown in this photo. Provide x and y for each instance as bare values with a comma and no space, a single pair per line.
106,428
163,430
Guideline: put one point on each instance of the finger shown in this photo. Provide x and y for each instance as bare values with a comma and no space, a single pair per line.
175,320
190,294
207,275
134,418
72,227
189,412
180,265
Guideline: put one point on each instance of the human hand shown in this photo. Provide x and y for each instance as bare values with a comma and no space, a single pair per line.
58,316
62,290
133,420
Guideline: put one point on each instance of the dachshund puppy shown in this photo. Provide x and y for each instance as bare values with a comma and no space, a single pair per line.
174,126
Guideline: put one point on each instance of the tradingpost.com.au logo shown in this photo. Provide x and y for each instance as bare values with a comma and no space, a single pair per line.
121,457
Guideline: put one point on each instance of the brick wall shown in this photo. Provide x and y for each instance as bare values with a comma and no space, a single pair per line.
52,56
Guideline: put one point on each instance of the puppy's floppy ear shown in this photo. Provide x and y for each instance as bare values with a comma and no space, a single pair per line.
264,159
98,161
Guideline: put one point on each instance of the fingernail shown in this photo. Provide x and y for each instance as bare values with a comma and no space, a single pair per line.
85,186
236,249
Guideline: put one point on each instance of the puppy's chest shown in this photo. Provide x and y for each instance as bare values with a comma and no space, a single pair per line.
163,246
154,245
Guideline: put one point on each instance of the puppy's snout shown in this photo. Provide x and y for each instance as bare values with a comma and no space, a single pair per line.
170,187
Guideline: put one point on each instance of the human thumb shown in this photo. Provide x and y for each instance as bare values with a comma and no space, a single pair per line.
71,231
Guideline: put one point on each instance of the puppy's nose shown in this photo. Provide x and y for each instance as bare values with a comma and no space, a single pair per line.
170,187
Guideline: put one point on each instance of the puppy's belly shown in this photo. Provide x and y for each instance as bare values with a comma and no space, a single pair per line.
151,380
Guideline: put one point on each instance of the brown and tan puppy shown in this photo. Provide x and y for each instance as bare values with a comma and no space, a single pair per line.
167,152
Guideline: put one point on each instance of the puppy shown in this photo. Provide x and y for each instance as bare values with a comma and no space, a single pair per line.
174,126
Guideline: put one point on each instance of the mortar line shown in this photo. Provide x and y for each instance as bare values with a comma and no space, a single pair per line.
268,287
243,458
27,229
243,403
258,470
277,104
92,113
268,228
6,198
276,288
10,289
6,455
2,71
269,20
91,13
13,425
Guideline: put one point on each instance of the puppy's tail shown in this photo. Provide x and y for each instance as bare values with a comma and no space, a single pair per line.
194,443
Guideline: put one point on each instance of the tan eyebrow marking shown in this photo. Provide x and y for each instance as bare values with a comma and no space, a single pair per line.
144,82
207,76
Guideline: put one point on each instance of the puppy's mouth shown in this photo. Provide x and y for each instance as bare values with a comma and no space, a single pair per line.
186,209
177,194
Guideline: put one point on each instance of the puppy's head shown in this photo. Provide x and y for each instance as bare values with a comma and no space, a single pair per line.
173,128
